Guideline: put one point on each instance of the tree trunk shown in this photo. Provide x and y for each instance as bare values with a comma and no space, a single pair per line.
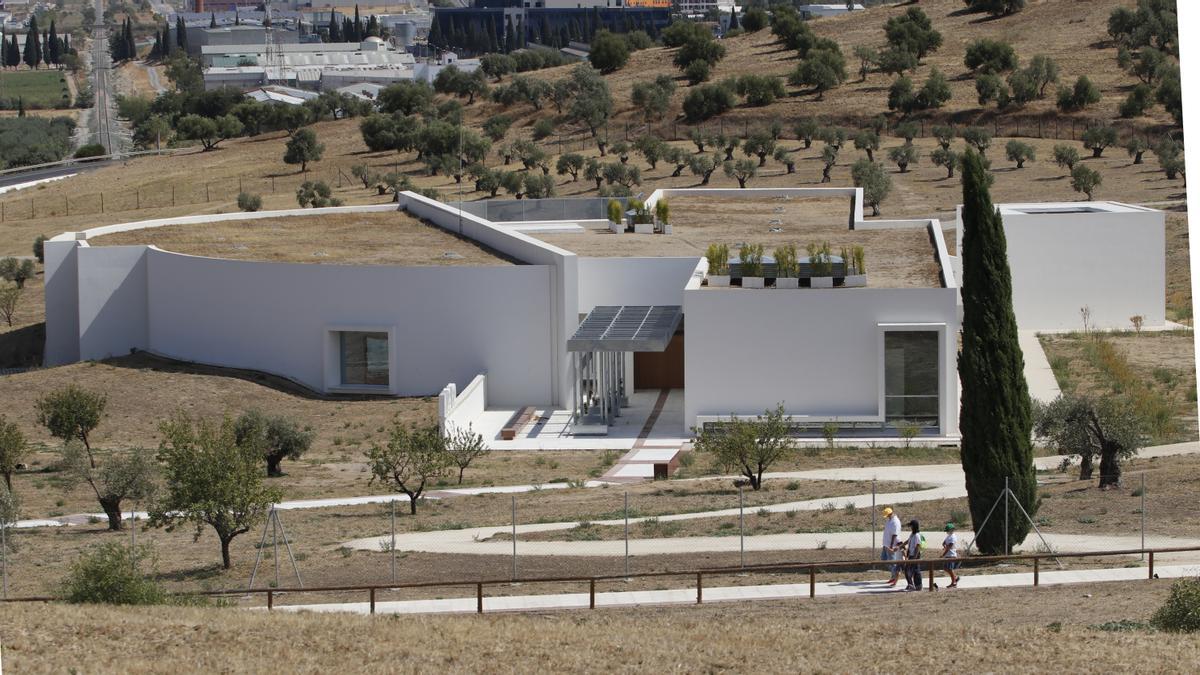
226,563
741,182
870,155
874,209
791,168
112,509
412,502
1086,466
807,143
461,469
273,462
1110,467
678,170
1096,152
8,481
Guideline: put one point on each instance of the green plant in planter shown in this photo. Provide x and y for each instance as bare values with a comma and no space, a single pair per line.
615,213
718,259
641,214
820,259
860,260
663,211
750,256
786,265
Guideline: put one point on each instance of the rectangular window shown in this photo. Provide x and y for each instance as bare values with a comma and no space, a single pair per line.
911,376
364,358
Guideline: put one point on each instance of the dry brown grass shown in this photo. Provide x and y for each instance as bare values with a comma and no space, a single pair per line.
1073,33
349,238
1163,362
1050,629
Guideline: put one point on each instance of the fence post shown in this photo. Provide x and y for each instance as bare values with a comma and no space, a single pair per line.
514,538
393,541
172,194
101,202
699,587
372,591
207,196
137,193
1035,570
4,559
931,588
1143,515
1007,550
479,597
873,517
270,599
741,527
812,581
626,533
592,594
1151,575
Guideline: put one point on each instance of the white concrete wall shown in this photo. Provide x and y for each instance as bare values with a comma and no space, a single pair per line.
449,323
457,409
816,351
61,274
633,281
112,301
1114,263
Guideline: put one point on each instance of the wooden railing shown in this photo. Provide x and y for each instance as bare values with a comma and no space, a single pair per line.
931,565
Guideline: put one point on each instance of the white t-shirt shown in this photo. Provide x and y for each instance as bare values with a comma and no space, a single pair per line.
951,541
914,545
891,530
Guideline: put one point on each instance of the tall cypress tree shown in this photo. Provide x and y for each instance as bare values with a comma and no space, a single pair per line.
996,421
55,47
733,20
359,33
335,28
212,21
435,33
31,54
181,34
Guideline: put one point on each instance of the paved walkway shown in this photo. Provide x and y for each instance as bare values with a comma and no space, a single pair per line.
1043,385
939,481
687,596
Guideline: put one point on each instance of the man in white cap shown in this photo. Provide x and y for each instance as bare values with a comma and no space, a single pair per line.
891,542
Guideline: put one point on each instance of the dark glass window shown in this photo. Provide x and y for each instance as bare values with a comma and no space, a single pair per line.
364,358
910,376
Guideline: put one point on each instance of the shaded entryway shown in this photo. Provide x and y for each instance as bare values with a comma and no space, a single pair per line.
601,349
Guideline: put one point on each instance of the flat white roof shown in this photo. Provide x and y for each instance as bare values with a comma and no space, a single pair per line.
1068,208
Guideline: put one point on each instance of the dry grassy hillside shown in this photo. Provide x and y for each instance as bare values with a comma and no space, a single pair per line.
1026,630
1072,32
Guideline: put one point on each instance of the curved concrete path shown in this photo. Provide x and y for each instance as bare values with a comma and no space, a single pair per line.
947,481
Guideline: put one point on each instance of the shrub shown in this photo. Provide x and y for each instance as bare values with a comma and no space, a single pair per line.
316,194
16,271
754,20
1083,94
107,574
249,202
996,7
609,52
759,90
1181,612
821,69
543,128
707,101
1141,98
697,71
39,248
990,56
913,32
90,150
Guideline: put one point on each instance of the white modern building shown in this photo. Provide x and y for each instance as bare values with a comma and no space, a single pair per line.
563,315
1104,256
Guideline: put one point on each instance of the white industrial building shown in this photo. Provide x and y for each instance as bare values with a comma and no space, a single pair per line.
583,338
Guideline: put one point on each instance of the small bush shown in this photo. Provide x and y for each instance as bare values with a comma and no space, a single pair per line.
107,574
249,202
1181,612
90,150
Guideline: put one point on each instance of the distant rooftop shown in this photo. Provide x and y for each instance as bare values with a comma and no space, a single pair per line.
1069,207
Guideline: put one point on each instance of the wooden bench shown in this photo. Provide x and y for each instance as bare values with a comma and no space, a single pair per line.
517,422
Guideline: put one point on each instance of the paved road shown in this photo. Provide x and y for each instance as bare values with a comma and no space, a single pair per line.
103,124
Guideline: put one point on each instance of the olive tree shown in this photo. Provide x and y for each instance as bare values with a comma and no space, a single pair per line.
1019,152
13,449
978,138
748,446
72,413
209,479
1097,139
1085,180
412,457
867,140
570,163
1107,428
742,170
279,437
874,181
465,446
903,155
1066,156
759,143
947,159
703,166
303,148
1136,147
129,475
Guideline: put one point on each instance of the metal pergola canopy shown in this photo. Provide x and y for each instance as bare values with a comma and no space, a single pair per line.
627,328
